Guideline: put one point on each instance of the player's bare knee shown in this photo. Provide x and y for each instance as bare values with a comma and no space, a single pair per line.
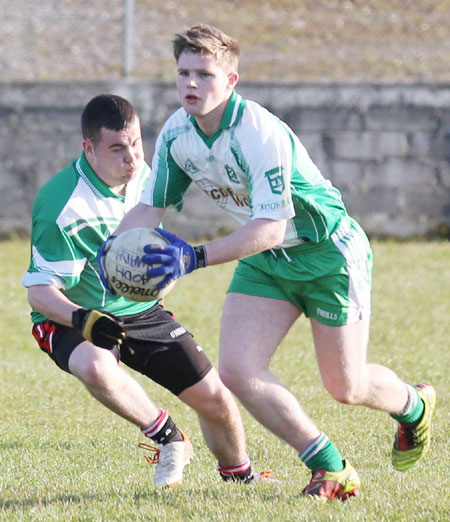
229,377
215,404
348,396
240,384
91,371
345,393
221,402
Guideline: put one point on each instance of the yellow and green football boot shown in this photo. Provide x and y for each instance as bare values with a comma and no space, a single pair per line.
328,485
412,441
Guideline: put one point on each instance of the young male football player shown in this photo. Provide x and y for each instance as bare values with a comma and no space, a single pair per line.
86,330
299,253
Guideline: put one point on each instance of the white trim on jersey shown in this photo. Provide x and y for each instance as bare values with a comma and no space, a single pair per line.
71,267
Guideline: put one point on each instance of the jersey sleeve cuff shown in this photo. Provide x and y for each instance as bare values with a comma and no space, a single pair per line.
42,278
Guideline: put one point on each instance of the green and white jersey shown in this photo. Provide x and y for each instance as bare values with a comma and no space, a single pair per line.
72,215
254,166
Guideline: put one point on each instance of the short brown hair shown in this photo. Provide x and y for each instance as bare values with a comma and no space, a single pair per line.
208,40
107,111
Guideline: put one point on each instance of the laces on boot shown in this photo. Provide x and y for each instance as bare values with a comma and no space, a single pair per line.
154,457
263,476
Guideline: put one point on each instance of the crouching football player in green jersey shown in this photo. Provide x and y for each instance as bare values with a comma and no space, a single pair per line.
299,253
86,330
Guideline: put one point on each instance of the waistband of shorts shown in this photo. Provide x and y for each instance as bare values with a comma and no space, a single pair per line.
142,313
341,230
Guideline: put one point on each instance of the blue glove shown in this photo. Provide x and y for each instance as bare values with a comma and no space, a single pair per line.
175,259
101,256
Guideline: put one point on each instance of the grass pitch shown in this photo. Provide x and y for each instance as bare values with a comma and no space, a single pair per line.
65,457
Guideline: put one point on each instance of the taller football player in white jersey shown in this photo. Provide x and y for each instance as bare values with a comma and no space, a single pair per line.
299,253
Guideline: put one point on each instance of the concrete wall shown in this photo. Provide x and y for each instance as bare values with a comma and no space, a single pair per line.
386,147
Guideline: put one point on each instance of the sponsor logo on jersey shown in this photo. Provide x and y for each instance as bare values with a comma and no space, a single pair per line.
231,174
275,205
221,195
276,180
190,167
220,192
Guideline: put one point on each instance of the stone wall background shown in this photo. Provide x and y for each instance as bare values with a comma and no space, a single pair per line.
385,146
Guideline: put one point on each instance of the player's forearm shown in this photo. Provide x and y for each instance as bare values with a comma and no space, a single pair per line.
52,303
256,236
140,216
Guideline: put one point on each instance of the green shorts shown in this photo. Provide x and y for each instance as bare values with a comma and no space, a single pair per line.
329,281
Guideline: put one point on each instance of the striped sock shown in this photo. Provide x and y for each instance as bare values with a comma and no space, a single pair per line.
322,454
163,430
413,410
241,472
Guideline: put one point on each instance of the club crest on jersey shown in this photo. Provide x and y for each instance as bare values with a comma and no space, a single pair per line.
276,180
190,167
231,174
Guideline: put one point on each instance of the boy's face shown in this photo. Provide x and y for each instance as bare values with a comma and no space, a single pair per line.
203,86
118,156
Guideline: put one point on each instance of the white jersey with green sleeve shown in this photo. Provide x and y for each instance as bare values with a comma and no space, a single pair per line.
254,166
73,214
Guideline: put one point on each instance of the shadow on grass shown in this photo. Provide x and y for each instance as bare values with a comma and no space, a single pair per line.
72,498
165,498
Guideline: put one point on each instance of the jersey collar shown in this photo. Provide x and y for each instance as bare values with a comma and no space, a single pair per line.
233,111
90,177
230,117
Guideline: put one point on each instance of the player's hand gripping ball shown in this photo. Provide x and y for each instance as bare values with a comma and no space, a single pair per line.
127,273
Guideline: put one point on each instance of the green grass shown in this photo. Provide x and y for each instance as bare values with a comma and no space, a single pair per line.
65,457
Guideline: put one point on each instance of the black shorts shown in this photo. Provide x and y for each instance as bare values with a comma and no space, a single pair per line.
156,345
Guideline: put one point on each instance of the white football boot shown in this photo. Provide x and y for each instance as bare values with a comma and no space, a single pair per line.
170,460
